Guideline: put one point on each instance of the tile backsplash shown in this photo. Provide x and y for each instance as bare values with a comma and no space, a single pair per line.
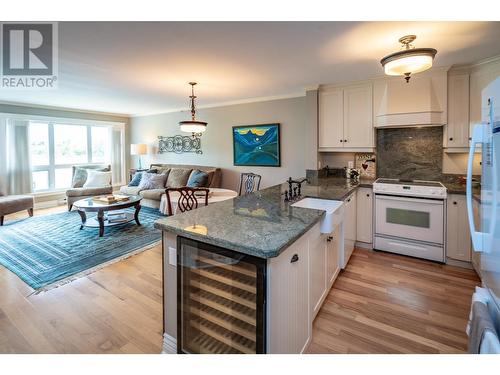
410,153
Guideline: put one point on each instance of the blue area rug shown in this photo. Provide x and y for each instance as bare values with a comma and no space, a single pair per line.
45,251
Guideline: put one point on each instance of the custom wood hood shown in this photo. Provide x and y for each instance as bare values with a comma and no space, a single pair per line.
421,102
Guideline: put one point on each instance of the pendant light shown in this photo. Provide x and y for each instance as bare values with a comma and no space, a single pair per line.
409,61
193,126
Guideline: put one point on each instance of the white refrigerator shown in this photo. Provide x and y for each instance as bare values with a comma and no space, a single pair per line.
486,233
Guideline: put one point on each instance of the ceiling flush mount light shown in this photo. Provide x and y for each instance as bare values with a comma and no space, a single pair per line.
409,61
193,126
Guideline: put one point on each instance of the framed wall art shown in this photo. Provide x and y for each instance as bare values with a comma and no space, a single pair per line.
257,145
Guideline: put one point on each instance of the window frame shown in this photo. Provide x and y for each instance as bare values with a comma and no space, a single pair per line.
51,168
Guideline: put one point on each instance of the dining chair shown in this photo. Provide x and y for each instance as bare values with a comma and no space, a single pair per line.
249,182
188,198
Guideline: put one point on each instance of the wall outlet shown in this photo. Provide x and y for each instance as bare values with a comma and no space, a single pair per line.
350,164
172,256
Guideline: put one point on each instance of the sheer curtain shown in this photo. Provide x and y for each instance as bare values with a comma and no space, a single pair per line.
16,174
116,155
3,156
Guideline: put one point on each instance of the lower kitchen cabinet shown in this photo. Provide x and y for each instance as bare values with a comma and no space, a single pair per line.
333,243
317,269
349,228
458,241
364,213
289,322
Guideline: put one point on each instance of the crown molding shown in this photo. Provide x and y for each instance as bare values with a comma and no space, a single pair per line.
226,104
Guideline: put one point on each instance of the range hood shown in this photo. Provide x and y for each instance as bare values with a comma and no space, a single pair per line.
422,102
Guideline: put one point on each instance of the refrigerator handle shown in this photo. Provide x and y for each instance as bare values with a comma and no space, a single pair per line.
477,237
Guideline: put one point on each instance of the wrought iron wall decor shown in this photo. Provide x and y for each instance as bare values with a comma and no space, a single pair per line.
179,144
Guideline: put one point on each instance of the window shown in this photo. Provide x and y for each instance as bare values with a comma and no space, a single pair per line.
56,147
70,144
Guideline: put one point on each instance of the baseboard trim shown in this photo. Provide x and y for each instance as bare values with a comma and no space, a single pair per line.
169,344
459,263
364,245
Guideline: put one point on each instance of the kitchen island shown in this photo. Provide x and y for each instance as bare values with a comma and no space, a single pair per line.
249,274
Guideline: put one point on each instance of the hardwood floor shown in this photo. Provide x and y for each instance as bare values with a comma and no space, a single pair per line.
117,309
381,303
386,303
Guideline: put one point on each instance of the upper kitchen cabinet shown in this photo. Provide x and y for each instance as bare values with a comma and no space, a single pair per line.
456,135
421,102
345,118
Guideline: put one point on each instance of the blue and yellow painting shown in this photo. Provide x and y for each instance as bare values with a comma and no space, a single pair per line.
257,145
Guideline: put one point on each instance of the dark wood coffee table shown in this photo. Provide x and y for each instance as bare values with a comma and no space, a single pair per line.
100,221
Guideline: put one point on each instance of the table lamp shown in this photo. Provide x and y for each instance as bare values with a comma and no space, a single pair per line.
139,149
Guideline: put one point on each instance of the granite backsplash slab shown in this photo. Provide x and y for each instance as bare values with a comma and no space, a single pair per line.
410,153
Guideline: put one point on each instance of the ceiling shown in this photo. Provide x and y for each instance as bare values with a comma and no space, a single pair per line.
139,68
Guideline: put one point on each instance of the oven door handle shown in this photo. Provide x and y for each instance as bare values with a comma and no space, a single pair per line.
408,199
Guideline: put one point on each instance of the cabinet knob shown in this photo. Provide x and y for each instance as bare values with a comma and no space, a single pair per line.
295,258
345,140
451,139
470,138
454,202
368,195
341,141
349,200
329,239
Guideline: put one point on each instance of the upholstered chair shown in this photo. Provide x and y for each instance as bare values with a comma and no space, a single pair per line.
10,204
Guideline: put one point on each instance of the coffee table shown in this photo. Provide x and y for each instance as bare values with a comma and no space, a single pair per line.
100,221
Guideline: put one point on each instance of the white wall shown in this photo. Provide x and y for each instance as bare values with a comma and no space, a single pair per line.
217,140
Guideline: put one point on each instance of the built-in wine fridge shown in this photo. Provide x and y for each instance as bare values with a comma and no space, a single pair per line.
221,300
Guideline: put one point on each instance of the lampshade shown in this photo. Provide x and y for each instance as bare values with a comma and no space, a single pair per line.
138,149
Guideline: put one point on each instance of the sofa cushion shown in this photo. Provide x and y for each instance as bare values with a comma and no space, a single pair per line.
152,181
97,179
197,178
13,203
91,191
130,190
154,194
178,177
136,180
80,174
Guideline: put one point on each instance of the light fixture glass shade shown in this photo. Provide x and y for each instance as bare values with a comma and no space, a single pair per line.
193,126
408,61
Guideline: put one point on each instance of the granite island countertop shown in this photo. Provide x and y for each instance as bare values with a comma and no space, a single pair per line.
259,224
458,188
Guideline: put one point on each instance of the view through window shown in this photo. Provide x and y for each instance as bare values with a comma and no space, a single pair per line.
55,148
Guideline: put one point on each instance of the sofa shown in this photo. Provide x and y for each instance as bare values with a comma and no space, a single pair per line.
178,175
10,204
77,191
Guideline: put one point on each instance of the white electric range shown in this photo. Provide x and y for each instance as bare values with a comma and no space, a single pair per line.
410,218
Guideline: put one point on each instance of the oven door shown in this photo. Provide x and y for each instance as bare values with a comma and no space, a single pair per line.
412,218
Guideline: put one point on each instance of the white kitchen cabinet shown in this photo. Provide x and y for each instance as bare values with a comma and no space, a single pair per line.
331,119
289,321
358,116
364,215
346,118
317,269
349,228
458,241
456,132
333,243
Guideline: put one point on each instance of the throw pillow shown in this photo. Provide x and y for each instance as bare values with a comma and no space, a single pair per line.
80,175
197,178
136,179
152,181
97,179
178,177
